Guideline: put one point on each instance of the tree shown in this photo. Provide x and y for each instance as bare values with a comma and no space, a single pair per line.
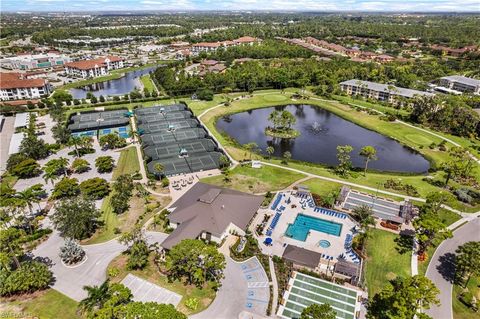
96,297
435,201
33,147
10,247
429,229
286,157
29,277
369,153
61,133
104,164
80,165
315,311
123,188
224,161
76,218
403,298
148,310
56,166
137,248
344,162
95,188
251,147
195,261
364,216
67,187
14,160
274,117
467,261
270,150
71,252
158,167
112,141
287,119
205,94
26,168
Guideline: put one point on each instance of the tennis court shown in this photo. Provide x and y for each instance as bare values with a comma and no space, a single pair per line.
305,290
167,116
183,165
176,136
160,108
92,121
203,145
167,126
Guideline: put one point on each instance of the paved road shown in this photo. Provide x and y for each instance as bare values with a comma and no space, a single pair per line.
231,297
442,268
70,281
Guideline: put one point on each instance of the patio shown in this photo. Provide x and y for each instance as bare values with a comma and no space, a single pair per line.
322,226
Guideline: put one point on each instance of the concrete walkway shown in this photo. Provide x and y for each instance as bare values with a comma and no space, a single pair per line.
441,269
274,284
137,142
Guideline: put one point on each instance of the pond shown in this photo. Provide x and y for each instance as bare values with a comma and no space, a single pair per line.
121,86
321,132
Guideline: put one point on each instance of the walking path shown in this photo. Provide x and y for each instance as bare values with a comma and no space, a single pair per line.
441,269
137,143
357,185
274,285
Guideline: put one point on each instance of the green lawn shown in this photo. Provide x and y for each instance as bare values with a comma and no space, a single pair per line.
384,262
148,83
48,304
127,163
256,180
205,295
460,310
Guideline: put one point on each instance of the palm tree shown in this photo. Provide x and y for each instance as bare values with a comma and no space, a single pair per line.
251,147
363,215
97,295
50,175
369,153
75,142
62,164
158,167
270,150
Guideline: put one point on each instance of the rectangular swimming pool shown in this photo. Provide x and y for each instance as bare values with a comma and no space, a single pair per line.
303,224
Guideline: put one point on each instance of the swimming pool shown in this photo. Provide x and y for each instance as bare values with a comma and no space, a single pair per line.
303,224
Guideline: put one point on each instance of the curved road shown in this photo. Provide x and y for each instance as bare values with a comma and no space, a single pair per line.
441,269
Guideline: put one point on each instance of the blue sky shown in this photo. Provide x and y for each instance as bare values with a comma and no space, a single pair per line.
298,5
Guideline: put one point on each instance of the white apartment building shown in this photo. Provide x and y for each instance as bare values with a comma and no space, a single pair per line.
378,91
461,83
93,68
13,86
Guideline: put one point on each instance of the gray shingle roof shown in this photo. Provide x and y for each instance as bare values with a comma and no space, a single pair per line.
386,88
223,207
463,80
302,256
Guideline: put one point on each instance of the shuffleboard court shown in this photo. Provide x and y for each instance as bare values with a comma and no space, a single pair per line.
305,290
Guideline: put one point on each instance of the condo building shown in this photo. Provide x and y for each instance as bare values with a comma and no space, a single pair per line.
461,83
94,68
14,86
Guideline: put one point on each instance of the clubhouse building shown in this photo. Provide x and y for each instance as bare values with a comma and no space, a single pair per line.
211,213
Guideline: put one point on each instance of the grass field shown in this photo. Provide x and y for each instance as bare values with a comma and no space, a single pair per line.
460,310
126,221
384,262
256,180
47,304
205,295
127,163
148,83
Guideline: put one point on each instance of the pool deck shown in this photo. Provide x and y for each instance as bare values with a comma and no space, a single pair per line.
337,243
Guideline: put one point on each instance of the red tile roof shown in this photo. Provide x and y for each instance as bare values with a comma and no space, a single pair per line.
246,40
16,80
90,64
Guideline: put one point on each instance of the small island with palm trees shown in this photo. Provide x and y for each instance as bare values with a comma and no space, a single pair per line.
282,125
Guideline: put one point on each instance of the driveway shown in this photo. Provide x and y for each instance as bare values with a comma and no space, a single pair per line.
70,280
441,269
244,291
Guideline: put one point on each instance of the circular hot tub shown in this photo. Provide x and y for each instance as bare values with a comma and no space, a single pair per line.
324,243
